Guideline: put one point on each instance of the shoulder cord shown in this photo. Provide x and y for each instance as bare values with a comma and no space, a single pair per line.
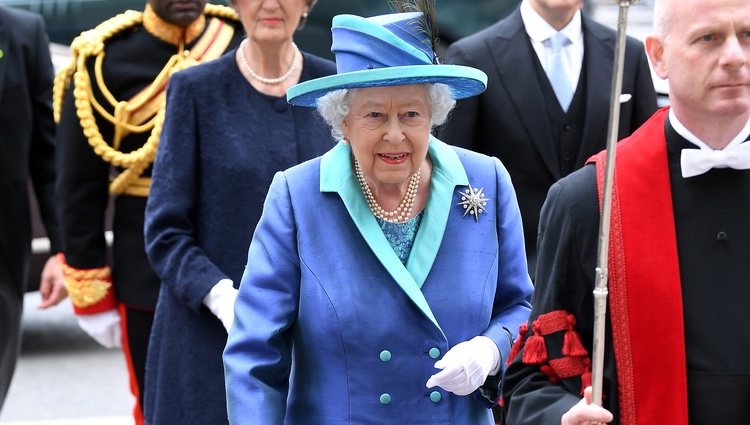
91,44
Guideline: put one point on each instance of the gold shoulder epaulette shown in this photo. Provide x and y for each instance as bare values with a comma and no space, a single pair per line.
87,44
144,112
220,11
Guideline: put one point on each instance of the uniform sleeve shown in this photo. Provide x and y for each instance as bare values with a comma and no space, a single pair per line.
82,191
257,358
170,224
42,157
548,369
460,128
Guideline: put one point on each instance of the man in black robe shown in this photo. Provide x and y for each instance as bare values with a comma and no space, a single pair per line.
677,337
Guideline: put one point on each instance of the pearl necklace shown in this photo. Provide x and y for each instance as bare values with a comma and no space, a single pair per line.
400,214
267,80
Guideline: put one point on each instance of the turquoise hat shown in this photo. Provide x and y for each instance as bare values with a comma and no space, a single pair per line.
385,50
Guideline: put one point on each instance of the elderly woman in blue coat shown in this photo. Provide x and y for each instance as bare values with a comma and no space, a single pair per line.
386,280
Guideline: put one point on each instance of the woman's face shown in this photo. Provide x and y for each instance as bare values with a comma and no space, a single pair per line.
270,20
389,130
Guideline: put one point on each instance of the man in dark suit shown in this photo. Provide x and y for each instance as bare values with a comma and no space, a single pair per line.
520,119
26,151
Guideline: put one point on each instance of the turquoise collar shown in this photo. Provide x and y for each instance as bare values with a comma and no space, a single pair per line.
337,175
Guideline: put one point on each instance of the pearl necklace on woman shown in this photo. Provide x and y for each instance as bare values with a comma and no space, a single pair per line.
267,80
403,211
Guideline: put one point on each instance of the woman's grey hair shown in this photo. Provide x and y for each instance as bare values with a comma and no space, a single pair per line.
335,106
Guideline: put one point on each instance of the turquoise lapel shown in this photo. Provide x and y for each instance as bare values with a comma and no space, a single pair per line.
336,175
447,173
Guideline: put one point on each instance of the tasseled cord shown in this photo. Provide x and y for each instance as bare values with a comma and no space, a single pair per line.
572,345
522,330
535,351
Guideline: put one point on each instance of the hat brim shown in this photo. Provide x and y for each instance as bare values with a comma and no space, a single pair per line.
464,81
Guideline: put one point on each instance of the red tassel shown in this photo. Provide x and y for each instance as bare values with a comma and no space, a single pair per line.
572,345
535,351
522,330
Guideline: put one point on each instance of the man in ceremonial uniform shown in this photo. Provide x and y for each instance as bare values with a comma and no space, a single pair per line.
110,106
678,339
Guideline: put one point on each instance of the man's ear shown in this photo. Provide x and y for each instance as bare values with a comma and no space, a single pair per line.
655,52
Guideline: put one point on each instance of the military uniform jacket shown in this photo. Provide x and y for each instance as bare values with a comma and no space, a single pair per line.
133,58
326,303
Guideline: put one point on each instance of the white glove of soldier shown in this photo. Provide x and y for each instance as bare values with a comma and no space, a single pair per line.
466,366
220,300
104,327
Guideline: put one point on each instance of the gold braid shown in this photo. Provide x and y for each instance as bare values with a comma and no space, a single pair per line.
91,44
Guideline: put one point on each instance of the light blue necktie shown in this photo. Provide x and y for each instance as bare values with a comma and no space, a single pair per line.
557,72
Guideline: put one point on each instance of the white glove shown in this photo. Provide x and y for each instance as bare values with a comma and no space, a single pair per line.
466,366
220,300
104,327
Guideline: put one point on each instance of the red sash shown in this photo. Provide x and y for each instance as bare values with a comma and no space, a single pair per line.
645,297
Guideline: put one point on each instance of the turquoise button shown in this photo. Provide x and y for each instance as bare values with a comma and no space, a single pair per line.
434,353
385,355
385,398
435,396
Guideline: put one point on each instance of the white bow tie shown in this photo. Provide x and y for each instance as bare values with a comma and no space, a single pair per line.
697,161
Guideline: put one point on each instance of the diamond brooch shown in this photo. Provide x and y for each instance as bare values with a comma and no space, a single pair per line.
473,201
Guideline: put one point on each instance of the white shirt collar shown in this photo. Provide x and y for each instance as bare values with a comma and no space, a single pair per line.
539,30
692,138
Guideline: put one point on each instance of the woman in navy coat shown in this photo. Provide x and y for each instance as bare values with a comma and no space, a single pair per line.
228,130
386,279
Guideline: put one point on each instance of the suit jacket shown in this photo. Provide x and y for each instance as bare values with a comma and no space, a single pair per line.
326,300
26,150
508,120
26,144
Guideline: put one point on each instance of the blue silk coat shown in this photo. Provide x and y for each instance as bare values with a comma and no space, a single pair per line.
331,328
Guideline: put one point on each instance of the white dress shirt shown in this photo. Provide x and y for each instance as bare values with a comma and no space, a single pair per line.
539,30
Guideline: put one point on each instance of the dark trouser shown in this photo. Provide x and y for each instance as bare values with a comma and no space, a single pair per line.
11,306
136,329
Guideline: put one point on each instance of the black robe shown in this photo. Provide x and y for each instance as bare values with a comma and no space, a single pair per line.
713,243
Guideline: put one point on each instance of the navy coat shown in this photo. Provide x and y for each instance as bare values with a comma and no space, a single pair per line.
331,328
221,145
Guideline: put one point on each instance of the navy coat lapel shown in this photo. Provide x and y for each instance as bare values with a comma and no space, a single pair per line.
517,68
599,60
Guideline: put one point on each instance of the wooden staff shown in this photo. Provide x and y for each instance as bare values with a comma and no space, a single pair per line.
600,289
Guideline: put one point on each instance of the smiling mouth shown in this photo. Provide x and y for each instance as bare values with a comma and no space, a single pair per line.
393,156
